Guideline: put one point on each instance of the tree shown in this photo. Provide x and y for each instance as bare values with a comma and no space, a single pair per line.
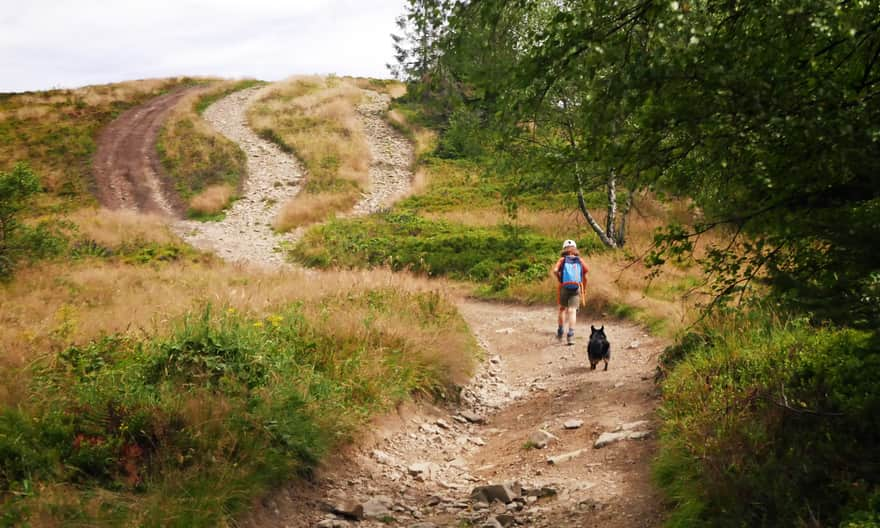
766,114
416,48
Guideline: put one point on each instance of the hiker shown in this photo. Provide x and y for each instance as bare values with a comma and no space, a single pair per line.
571,272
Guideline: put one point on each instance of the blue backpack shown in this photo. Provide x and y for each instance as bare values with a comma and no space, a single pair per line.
572,273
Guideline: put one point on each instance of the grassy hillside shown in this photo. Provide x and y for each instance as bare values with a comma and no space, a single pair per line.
144,383
206,167
55,131
457,224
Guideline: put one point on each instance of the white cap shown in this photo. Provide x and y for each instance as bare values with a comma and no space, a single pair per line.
568,244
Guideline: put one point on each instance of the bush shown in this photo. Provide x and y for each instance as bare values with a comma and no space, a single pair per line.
18,241
492,257
771,423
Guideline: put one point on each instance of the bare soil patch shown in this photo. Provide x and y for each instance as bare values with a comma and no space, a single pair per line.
126,167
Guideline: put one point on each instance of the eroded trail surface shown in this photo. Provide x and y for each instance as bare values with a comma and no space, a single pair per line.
273,177
390,174
127,170
421,466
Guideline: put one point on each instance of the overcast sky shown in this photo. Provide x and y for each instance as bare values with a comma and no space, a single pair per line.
68,43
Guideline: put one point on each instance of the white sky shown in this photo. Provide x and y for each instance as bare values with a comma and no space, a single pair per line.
68,43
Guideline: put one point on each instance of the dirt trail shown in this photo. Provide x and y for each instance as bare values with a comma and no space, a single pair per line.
126,167
422,464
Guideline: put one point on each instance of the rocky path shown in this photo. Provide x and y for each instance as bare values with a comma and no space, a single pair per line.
538,440
246,233
390,174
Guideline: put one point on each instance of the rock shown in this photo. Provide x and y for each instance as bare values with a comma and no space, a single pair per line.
491,522
507,331
505,519
573,424
473,417
639,435
332,523
632,425
478,441
430,429
377,507
383,458
619,384
348,508
539,493
423,525
541,439
458,463
422,470
607,438
443,423
565,457
634,344
501,492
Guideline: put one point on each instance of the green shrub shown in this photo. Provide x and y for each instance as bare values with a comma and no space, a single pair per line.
17,240
770,423
489,256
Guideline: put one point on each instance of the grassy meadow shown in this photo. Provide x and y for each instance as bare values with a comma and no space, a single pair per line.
145,383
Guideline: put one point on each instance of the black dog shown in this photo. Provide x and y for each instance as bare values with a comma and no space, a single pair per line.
599,349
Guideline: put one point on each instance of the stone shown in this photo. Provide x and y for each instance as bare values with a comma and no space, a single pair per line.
422,470
443,423
505,519
539,493
332,523
377,507
634,344
473,417
632,425
382,457
639,435
501,492
565,457
491,522
423,525
607,438
478,441
573,424
541,439
348,508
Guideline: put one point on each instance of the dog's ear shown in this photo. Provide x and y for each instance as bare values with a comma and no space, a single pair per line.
602,329
593,328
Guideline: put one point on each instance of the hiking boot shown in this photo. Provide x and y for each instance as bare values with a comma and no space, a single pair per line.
559,334
569,338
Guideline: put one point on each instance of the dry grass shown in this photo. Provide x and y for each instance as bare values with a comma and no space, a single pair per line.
212,200
51,306
316,118
111,229
308,208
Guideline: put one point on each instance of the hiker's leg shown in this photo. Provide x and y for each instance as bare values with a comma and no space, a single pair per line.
572,318
562,310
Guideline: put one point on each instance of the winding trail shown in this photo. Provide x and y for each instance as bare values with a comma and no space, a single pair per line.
273,177
420,465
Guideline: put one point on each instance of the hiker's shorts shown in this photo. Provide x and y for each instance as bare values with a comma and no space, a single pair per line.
569,298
